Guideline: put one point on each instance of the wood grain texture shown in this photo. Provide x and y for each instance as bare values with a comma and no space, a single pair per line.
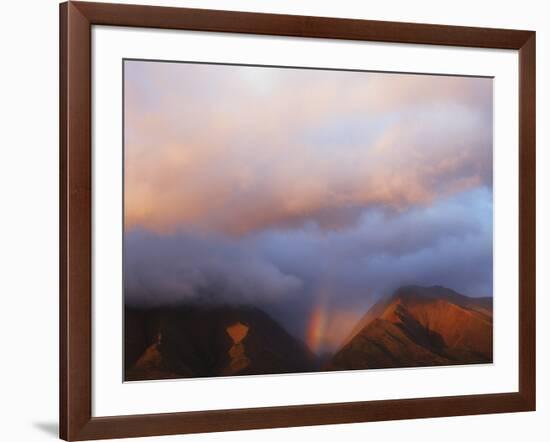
299,26
76,421
75,198
258,418
527,220
63,318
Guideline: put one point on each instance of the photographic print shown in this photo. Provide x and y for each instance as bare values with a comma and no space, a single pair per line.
293,220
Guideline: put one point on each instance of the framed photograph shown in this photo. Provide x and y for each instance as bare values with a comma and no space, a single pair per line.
275,220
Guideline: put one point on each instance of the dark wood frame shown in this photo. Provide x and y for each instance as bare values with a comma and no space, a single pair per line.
76,421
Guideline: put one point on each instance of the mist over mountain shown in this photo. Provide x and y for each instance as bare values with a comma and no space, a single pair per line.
290,273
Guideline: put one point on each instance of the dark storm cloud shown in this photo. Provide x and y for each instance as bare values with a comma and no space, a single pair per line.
287,272
162,269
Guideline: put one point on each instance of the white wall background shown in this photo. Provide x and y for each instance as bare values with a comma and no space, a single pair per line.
29,218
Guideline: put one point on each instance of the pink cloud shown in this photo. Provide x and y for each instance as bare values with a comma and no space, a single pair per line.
212,148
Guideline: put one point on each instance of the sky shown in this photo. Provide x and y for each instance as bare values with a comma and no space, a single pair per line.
308,193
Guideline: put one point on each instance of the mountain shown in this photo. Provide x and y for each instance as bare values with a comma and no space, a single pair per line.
193,341
420,326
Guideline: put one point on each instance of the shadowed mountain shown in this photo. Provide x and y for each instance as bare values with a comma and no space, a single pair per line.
420,326
194,341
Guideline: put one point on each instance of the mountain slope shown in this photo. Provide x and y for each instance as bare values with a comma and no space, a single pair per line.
202,342
420,326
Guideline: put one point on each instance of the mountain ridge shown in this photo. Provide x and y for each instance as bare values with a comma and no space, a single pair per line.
415,326
206,342
419,326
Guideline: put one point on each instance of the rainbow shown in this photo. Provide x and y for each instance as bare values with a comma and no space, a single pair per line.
316,327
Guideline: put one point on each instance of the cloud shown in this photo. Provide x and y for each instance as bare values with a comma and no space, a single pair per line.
293,189
236,150
290,272
162,270
448,243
